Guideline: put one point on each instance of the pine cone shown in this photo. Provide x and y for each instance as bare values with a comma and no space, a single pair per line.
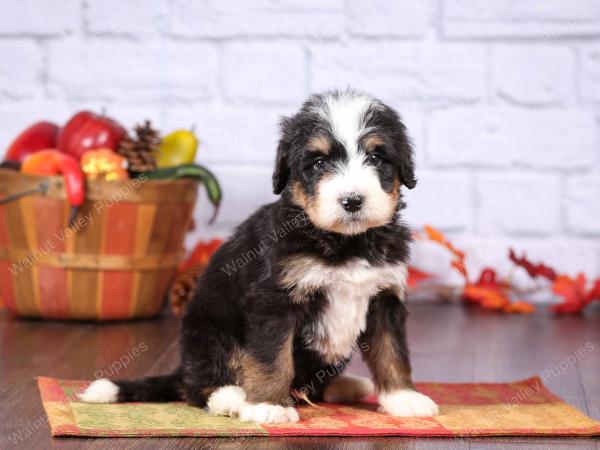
139,151
183,288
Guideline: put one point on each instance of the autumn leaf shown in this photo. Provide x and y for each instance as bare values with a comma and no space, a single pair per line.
520,307
573,293
534,270
572,290
416,276
434,234
459,257
201,254
487,292
488,297
487,278
491,293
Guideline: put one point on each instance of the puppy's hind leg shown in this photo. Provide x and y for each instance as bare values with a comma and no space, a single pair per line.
347,389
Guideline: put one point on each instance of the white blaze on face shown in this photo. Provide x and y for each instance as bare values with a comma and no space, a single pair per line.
347,115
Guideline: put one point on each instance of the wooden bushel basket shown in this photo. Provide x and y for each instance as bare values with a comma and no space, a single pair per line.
116,262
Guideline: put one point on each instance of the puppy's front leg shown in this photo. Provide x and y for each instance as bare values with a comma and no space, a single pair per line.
386,354
267,367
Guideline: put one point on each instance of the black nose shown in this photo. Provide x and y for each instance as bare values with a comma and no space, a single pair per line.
352,202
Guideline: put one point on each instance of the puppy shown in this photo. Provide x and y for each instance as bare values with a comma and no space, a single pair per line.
306,281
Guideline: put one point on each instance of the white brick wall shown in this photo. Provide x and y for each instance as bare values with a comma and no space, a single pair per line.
520,18
502,98
533,74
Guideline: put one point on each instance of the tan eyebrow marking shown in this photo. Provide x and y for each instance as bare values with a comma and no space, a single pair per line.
319,144
371,142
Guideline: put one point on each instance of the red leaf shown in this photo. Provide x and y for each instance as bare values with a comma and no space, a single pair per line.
534,270
573,293
488,278
201,254
416,276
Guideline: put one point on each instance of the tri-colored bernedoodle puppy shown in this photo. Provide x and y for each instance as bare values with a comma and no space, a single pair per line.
305,282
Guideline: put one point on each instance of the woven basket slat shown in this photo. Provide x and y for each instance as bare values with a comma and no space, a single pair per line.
120,220
54,299
7,291
23,282
161,228
52,282
28,206
85,286
93,261
145,215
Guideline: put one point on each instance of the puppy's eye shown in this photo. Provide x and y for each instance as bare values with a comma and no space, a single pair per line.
319,164
374,160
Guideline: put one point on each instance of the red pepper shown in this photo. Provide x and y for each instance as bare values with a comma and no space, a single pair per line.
53,162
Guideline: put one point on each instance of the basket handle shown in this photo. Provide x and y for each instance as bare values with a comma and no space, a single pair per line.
41,188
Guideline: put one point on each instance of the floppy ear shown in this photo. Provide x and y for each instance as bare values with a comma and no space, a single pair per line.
404,154
281,174
406,166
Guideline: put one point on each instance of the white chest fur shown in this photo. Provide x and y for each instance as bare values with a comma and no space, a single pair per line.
348,289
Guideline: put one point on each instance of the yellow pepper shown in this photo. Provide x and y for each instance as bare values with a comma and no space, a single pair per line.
176,149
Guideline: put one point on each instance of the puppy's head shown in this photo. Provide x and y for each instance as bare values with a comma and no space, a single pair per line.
342,158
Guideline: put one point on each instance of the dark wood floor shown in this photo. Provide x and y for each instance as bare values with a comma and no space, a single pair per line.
448,342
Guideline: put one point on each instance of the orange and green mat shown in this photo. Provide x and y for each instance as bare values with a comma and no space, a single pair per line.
522,408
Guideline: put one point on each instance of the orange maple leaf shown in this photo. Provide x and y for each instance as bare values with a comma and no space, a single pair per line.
572,290
459,257
487,297
520,307
491,293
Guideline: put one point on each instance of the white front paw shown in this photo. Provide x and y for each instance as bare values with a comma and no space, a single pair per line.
226,401
267,413
407,403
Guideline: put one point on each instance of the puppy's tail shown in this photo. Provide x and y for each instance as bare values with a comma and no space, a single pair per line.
162,388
